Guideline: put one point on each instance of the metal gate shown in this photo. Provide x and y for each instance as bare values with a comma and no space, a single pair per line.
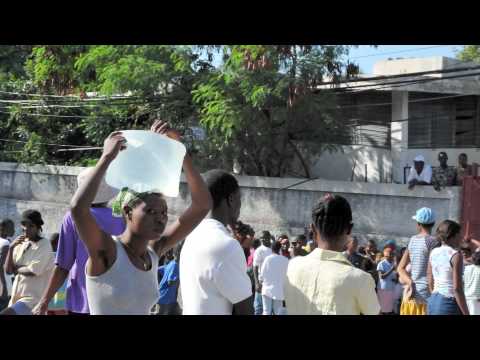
471,206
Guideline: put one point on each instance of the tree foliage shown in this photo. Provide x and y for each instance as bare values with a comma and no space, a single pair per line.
470,53
258,104
263,108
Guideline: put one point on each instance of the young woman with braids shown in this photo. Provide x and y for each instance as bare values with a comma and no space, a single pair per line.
324,282
445,273
121,272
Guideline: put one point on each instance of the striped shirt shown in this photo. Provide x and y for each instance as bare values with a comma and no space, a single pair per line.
419,249
471,278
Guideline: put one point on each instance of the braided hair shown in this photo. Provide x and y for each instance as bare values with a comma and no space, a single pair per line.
332,216
447,230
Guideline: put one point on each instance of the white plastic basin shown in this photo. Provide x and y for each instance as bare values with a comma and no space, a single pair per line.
151,162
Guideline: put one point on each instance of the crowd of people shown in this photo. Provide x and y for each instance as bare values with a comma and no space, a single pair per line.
117,254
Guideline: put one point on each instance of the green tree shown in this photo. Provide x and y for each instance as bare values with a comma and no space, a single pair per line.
469,53
156,79
262,109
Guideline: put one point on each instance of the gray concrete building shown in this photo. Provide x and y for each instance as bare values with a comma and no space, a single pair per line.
394,123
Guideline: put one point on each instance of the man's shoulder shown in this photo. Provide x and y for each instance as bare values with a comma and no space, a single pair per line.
263,250
427,169
268,259
358,276
270,256
420,240
300,262
415,238
212,228
452,171
44,246
210,234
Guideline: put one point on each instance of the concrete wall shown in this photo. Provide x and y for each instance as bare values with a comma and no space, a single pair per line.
380,210
338,165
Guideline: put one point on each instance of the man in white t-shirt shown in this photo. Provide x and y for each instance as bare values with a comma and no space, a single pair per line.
213,269
258,258
420,173
273,274
7,230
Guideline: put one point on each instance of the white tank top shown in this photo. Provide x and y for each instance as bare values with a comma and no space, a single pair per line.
442,270
124,289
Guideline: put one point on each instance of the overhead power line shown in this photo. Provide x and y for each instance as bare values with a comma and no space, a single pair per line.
396,84
344,90
399,51
72,97
395,76
47,144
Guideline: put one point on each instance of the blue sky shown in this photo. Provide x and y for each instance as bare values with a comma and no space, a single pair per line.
366,55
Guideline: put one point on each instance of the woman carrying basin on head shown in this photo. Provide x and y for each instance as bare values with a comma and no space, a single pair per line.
121,271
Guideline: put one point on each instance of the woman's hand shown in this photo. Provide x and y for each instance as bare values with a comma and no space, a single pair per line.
163,128
113,144
40,309
18,241
413,289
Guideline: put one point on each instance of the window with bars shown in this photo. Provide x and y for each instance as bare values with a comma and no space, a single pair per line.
452,123
365,125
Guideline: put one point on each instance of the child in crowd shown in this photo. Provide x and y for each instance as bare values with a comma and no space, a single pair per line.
471,279
386,288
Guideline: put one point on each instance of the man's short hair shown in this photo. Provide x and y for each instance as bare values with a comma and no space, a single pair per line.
276,247
266,235
221,185
6,222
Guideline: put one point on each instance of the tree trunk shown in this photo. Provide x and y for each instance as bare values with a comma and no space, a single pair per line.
302,160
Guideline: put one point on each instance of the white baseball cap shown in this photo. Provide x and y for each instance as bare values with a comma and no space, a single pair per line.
105,192
419,158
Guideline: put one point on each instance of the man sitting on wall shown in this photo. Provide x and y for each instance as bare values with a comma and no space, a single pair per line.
420,174
443,175
463,168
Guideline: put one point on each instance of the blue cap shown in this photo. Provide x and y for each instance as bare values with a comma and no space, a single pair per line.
390,243
424,216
